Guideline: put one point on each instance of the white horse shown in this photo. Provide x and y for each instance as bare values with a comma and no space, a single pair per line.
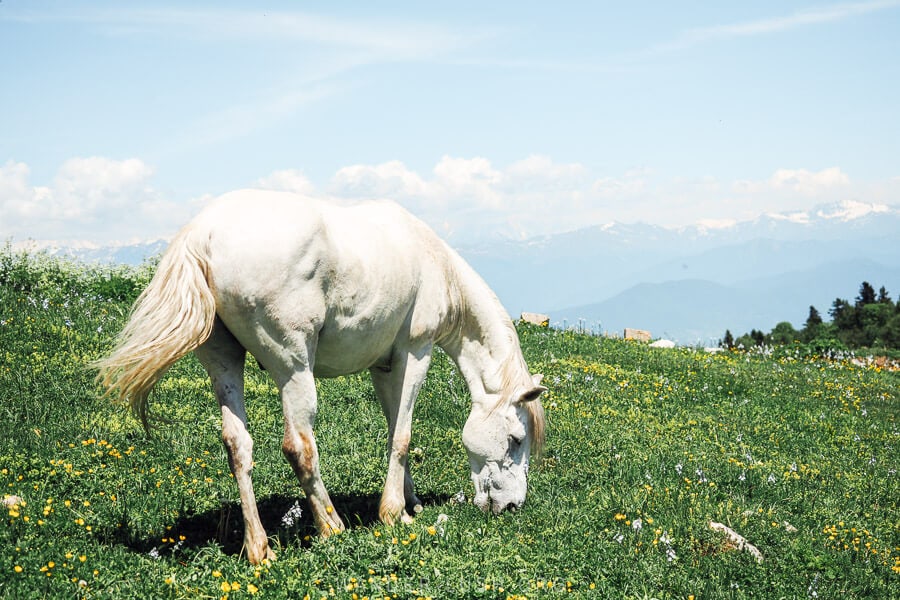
316,290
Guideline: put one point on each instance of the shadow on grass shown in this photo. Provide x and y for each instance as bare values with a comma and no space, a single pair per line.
224,527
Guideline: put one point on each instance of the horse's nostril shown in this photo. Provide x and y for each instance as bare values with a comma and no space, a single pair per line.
511,507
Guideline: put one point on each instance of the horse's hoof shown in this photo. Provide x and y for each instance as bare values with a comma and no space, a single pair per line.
259,557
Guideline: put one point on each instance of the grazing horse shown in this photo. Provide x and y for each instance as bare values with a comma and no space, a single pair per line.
312,289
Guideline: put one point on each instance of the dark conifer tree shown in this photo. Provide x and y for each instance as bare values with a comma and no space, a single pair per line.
728,340
814,319
866,295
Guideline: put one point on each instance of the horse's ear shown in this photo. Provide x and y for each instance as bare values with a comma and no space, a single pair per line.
535,392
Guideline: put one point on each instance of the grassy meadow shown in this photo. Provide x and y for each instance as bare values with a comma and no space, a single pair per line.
645,447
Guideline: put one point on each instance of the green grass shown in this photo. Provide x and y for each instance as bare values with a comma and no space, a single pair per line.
645,448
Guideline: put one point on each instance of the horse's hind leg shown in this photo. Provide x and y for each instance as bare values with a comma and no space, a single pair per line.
298,398
223,357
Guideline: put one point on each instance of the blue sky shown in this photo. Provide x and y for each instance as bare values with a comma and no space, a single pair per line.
118,121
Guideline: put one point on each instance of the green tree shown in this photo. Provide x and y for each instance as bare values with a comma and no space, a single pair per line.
812,326
866,295
874,319
890,334
784,333
728,340
843,317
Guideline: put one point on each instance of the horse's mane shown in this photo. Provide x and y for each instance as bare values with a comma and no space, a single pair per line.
493,322
510,376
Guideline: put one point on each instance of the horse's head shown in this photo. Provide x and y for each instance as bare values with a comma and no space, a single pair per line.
499,440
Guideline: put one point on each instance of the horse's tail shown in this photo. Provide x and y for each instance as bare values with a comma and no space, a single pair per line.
172,317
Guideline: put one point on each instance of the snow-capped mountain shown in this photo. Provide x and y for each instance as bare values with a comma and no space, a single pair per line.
133,253
692,283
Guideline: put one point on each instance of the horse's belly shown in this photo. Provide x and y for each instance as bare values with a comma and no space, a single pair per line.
350,352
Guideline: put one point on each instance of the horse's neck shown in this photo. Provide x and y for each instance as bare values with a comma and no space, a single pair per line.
485,346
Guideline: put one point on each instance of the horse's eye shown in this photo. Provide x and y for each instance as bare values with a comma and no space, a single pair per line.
515,441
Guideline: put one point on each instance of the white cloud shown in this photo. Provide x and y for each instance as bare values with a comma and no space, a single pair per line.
464,199
92,198
287,180
85,187
808,183
390,179
795,181
468,183
16,195
543,167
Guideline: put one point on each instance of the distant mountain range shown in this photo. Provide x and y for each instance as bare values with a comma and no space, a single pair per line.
88,252
688,284
691,284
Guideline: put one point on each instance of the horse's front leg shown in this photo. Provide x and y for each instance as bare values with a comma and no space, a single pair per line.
397,390
223,358
298,397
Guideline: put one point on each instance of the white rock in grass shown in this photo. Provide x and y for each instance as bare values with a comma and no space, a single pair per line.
663,344
737,540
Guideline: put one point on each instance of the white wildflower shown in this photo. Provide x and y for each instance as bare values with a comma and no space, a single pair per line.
292,515
12,501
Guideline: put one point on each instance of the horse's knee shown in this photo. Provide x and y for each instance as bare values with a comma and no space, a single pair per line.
239,446
300,451
400,445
